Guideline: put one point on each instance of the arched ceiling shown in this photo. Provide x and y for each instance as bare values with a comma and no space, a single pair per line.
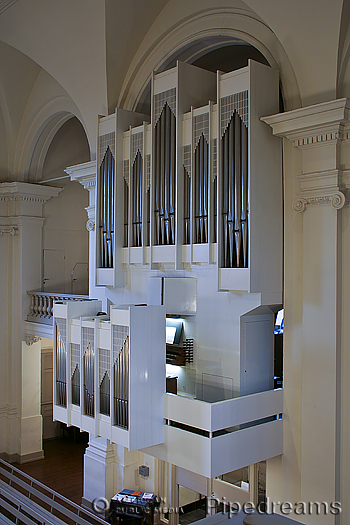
126,25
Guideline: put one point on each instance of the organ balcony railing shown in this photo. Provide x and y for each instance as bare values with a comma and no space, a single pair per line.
41,304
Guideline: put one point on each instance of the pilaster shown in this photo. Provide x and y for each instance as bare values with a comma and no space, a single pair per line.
85,174
318,134
21,221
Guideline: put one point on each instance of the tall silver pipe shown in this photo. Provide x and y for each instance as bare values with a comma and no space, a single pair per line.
172,175
237,190
244,186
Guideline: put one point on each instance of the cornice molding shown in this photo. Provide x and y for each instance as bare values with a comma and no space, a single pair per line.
321,125
84,173
26,192
312,124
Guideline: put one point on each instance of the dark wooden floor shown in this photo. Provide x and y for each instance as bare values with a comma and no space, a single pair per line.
61,469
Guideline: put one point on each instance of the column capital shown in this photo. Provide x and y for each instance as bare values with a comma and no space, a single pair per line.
84,173
317,131
24,199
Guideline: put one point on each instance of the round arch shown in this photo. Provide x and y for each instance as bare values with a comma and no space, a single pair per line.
38,137
198,34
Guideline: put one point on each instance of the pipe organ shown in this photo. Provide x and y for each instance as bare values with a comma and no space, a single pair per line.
199,184
122,359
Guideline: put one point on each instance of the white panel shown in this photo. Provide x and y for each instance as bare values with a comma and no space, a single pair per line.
186,253
192,481
88,424
106,125
234,279
163,254
136,255
155,290
105,429
180,295
105,276
200,253
147,376
75,418
241,410
184,449
164,81
186,129
75,334
234,82
120,436
60,310
60,414
245,447
120,316
257,352
104,337
188,411
222,489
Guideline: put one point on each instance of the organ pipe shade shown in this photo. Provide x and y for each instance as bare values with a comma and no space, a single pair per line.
89,383
201,178
187,207
136,201
61,363
121,380
75,381
105,395
106,210
164,178
234,166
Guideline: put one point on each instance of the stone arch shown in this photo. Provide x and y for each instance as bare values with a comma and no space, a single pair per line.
200,33
36,142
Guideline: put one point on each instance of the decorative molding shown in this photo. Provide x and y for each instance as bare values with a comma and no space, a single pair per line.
337,200
319,126
31,339
312,124
90,225
84,173
12,230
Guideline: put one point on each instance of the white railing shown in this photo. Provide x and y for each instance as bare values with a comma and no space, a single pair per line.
213,438
41,305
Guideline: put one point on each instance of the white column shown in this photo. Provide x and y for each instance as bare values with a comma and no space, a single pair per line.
21,221
85,174
310,469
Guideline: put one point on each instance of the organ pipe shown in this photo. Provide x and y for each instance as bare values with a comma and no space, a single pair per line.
164,193
89,383
234,149
61,371
121,386
137,201
106,210
201,177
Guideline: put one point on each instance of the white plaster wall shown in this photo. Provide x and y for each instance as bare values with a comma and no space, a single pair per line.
74,34
65,217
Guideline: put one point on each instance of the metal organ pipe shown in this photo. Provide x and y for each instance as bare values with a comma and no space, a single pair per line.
89,388
164,192
61,358
137,200
106,214
121,386
234,148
